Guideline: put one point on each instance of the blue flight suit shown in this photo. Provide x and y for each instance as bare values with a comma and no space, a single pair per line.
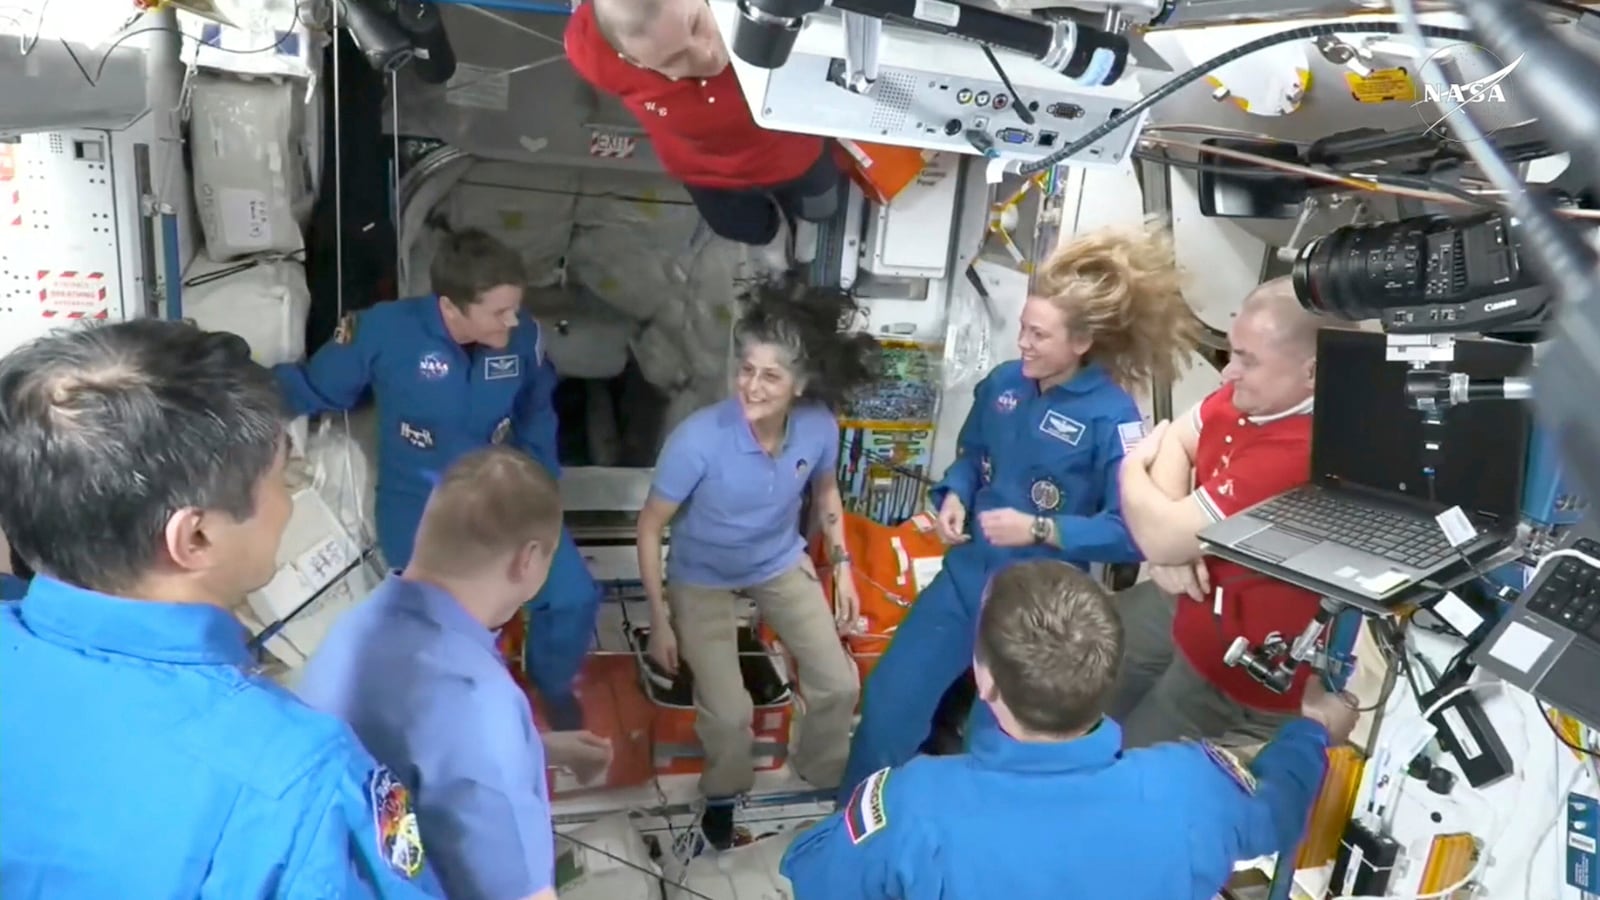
1056,453
12,587
1077,818
437,401
140,757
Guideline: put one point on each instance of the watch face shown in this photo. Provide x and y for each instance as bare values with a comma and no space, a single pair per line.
1041,529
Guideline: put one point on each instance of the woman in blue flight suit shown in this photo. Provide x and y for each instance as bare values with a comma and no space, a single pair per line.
1037,464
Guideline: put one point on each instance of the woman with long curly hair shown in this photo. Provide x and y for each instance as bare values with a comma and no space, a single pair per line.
1038,464
731,479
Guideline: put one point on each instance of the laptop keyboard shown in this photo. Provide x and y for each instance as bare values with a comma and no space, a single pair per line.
1571,595
1404,539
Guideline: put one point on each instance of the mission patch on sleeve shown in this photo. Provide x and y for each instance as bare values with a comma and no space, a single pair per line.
1231,766
865,815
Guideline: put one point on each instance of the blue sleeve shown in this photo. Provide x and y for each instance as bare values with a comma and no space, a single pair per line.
1265,810
336,376
875,848
361,839
12,587
828,463
681,464
1104,537
534,420
483,805
965,474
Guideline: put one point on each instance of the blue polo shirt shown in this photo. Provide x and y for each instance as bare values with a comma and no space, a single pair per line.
422,684
739,523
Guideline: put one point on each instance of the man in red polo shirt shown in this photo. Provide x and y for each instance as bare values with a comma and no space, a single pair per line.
667,63
1249,440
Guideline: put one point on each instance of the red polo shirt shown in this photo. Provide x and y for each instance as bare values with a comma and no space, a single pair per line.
1239,462
700,128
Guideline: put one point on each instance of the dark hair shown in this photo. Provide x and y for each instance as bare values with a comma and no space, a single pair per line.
805,321
106,432
1051,639
468,262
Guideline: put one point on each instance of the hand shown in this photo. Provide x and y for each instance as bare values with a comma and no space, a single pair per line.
1337,712
663,644
1188,580
1007,528
1143,453
585,754
846,603
952,521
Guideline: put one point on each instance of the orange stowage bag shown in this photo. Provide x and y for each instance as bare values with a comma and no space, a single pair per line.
880,170
885,562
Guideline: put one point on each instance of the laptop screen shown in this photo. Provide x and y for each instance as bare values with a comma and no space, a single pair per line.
1365,434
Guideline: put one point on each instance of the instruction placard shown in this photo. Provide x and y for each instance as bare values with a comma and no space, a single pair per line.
71,294
1382,86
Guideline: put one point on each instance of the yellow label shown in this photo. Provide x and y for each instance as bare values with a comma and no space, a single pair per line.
1382,86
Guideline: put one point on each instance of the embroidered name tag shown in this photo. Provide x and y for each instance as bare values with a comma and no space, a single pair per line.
498,367
1061,428
420,438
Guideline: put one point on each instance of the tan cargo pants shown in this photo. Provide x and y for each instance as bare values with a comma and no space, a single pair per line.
705,621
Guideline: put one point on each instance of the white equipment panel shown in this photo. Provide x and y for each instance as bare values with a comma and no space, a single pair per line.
930,91
69,226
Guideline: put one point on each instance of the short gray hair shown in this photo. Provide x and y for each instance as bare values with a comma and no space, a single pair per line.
619,20
1293,324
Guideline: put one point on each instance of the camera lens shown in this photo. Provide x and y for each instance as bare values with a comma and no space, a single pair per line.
766,31
1359,272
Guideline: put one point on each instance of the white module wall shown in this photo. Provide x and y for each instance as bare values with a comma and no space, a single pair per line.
70,231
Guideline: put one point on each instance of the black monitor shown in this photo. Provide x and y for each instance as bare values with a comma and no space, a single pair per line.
1366,436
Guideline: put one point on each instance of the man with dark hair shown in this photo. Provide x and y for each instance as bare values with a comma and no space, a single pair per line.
145,757
464,739
1047,804
454,371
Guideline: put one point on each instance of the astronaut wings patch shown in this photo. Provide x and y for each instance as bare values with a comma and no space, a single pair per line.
865,815
1230,766
394,822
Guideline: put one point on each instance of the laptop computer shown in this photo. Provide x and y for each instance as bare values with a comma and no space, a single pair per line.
1549,643
1365,522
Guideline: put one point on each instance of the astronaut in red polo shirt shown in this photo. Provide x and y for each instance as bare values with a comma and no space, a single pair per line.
667,62
1248,441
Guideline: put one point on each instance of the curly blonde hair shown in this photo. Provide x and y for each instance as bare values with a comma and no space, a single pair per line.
1122,288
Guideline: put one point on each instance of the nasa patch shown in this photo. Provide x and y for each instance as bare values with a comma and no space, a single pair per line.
1045,495
865,814
496,368
1131,433
420,438
395,822
433,366
1007,401
1058,426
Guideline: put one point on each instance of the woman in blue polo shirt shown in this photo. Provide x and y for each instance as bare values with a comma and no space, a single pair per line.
731,479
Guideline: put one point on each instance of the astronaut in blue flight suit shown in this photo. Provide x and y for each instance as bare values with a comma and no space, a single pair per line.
141,753
452,372
1037,475
1045,804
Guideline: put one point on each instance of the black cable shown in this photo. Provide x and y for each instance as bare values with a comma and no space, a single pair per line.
1023,113
1544,713
1571,9
1245,170
100,67
1195,74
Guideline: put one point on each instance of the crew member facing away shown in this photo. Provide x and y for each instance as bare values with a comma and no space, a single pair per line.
667,63
1036,475
1047,805
731,479
454,371
416,673
140,754
1247,441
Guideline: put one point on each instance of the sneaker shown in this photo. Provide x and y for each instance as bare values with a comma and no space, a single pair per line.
716,823
777,257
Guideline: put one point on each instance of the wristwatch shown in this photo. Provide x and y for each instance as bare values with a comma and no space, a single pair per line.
1040,529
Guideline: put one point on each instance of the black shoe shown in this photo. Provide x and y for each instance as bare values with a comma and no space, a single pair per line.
716,823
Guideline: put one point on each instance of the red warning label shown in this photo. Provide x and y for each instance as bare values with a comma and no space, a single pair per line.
69,294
